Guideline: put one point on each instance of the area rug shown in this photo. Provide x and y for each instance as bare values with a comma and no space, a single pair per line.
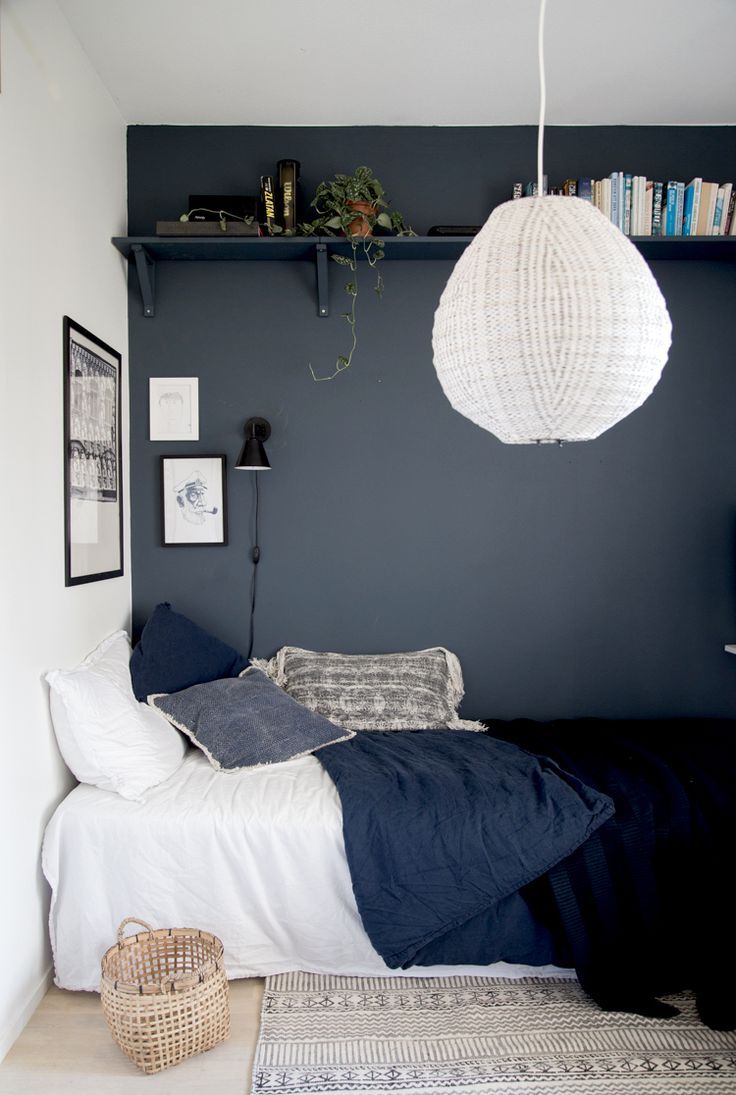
537,1036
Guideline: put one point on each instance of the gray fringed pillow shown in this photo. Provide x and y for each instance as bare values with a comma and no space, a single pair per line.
416,690
246,721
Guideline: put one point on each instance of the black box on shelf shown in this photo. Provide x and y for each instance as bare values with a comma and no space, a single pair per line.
207,228
454,230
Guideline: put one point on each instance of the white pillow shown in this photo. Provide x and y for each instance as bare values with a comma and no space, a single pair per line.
105,735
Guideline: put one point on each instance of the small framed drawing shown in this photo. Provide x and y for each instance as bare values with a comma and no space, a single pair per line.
193,500
93,491
173,403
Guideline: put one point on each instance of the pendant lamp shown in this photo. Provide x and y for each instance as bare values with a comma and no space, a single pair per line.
552,326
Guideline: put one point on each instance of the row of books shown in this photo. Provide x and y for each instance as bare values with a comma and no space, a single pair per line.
644,207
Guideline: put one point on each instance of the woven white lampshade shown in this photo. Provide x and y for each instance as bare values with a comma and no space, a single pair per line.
552,326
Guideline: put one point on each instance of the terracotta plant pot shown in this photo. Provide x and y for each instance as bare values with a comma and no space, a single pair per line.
361,225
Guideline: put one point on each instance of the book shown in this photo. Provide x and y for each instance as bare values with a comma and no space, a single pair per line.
697,185
268,204
658,192
727,208
635,206
718,214
531,189
288,173
570,187
614,208
646,195
670,210
606,187
627,198
648,207
687,210
679,202
708,195
517,191
585,189
729,226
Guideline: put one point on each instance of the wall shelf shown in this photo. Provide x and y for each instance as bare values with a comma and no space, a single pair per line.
687,247
147,251
730,648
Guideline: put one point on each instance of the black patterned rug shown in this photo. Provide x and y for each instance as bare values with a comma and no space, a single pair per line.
374,1036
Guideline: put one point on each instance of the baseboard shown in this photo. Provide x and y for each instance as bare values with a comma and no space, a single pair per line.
10,1035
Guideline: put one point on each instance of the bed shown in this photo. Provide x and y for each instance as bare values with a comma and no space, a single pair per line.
340,817
257,857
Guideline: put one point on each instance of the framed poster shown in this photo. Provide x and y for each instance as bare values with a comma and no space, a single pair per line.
193,500
173,403
93,489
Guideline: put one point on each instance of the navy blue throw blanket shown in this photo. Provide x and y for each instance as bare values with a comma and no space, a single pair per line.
442,826
643,905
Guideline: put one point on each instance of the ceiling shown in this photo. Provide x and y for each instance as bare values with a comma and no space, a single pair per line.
412,62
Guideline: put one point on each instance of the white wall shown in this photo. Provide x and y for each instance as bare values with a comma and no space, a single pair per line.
62,195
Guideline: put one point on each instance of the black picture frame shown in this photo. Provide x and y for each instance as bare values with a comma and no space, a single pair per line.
193,499
93,458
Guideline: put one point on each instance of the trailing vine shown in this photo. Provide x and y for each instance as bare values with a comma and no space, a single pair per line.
352,206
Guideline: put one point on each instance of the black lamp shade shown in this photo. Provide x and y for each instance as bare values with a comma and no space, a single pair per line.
253,457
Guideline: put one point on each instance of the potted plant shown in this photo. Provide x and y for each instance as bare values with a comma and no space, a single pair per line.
352,206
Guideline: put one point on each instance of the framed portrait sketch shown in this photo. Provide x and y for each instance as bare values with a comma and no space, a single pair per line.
173,408
193,500
93,489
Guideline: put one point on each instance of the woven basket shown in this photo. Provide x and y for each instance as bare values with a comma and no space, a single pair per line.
165,994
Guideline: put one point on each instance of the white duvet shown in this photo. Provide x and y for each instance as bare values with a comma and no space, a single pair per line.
255,857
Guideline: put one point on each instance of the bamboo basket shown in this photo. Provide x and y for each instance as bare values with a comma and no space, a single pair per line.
165,994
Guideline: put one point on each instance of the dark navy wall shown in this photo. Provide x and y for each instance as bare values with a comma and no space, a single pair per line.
592,579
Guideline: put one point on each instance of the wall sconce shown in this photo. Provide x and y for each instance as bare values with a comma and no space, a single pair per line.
253,456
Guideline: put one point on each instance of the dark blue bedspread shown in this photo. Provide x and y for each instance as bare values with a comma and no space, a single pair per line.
442,828
643,906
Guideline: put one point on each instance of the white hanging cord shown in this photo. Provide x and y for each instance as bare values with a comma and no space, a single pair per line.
542,100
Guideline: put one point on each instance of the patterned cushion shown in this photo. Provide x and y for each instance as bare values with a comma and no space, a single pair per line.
246,722
416,690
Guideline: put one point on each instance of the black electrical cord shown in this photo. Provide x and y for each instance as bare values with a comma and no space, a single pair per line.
255,555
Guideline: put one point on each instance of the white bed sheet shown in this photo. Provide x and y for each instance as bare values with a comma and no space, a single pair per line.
256,857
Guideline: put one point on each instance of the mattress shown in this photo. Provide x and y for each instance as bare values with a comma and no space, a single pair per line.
256,857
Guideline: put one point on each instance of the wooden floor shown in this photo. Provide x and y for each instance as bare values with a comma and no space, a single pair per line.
67,1047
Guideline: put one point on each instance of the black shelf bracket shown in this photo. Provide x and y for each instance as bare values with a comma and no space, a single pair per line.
146,271
321,259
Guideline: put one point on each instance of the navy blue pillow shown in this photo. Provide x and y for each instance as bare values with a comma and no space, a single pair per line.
247,722
175,653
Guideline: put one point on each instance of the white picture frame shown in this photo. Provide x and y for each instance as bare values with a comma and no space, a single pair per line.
173,408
